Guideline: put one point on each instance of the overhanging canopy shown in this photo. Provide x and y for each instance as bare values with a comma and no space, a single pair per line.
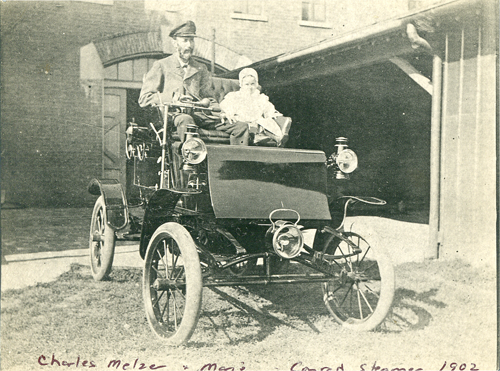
413,33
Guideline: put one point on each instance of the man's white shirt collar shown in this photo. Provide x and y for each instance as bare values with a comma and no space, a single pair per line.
182,63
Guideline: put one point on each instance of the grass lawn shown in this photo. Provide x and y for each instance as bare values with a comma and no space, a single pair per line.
444,311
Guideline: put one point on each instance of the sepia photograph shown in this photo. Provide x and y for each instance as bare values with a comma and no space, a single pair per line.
258,185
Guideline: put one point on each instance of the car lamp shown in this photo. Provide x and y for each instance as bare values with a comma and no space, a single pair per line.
345,160
194,151
288,240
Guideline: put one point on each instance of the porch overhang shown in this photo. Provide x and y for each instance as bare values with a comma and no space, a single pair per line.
431,77
409,34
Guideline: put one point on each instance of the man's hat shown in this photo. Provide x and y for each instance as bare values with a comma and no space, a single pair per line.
187,29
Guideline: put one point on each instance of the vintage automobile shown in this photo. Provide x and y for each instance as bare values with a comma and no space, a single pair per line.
207,213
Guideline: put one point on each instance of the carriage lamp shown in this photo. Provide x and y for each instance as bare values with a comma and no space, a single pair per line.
194,151
288,240
347,161
344,160
191,132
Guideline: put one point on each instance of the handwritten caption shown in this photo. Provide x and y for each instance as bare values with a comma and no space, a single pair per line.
113,364
137,364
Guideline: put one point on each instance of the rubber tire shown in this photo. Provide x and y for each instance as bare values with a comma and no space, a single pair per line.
384,304
193,288
101,253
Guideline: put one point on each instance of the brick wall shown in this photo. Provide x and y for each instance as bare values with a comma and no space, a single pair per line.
281,32
51,125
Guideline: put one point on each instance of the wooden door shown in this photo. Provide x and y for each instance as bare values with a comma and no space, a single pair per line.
114,126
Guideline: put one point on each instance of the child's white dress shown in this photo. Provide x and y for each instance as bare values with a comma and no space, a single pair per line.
255,108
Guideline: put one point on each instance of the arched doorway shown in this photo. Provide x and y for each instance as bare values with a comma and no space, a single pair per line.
122,84
111,72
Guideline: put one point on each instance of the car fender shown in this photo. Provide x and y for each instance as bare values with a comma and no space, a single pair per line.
114,199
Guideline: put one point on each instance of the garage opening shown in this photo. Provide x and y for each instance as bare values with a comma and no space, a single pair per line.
387,118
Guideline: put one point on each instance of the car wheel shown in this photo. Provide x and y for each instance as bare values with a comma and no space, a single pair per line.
361,294
172,284
101,242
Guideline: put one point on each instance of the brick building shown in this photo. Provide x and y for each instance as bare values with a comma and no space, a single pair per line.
263,29
71,73
51,141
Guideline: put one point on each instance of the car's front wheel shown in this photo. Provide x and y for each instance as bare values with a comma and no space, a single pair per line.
172,283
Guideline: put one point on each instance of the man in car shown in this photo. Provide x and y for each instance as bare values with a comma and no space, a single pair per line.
178,78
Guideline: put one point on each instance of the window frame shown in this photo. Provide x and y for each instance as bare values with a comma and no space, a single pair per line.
314,22
244,13
99,2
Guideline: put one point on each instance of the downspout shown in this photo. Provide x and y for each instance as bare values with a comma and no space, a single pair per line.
432,250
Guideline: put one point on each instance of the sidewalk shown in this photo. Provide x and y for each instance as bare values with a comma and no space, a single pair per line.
23,270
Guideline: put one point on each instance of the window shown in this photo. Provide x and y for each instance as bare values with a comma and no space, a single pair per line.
314,14
102,2
248,7
250,10
128,73
314,11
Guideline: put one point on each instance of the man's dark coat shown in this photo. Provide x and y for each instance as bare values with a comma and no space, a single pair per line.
167,77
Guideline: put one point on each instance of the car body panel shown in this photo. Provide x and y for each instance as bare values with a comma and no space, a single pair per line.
251,182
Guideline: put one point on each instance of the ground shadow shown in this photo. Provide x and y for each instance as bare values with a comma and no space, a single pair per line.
409,311
294,306
300,305
264,320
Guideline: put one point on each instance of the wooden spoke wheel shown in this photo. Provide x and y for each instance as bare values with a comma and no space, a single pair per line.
101,242
172,284
361,295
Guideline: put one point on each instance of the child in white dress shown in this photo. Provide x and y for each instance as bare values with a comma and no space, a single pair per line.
249,106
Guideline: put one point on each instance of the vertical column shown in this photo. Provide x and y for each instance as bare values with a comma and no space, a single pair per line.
434,212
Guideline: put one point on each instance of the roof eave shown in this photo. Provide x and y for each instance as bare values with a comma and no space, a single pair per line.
367,45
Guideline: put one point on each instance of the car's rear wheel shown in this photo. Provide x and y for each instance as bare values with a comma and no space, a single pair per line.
101,242
172,284
361,295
